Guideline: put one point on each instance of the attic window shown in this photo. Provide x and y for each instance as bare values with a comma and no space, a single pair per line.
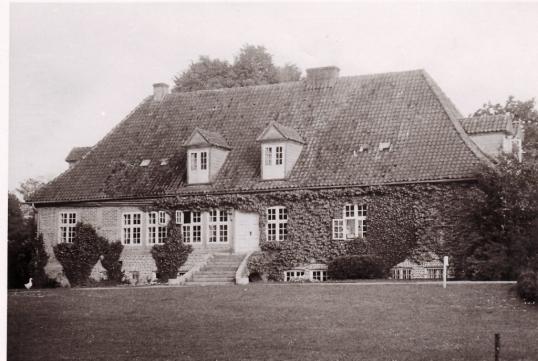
164,161
384,146
363,148
145,162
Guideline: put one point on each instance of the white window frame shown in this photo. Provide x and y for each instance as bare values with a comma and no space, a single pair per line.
358,216
279,223
156,229
194,161
273,155
292,275
338,229
436,272
69,226
279,155
268,155
401,273
218,226
203,159
131,228
179,217
319,275
187,229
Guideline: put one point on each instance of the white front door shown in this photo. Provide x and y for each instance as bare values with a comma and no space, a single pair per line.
246,232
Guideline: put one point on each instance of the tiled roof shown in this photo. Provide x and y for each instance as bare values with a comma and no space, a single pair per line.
77,153
488,123
406,109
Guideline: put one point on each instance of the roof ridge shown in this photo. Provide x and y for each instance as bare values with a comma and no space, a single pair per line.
440,96
289,83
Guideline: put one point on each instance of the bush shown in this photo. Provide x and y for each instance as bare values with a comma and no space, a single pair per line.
527,286
259,266
171,255
79,257
356,267
111,261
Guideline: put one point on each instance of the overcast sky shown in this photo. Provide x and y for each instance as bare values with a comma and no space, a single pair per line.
76,70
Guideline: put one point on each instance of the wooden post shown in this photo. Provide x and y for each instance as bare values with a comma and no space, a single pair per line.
497,346
445,268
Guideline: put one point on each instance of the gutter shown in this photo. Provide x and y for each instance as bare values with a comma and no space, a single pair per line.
250,191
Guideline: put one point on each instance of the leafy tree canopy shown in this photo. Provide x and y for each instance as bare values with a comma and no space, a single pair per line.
252,66
503,238
524,111
29,186
17,229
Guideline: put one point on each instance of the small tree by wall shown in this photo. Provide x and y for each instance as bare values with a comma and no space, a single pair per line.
79,257
171,255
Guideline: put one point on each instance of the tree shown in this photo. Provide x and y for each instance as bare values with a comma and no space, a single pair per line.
505,221
17,227
29,186
523,111
252,66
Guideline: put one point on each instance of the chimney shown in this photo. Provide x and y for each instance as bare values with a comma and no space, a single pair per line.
159,91
325,76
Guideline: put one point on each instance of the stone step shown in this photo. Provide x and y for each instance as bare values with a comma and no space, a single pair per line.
218,268
213,275
216,273
213,279
218,283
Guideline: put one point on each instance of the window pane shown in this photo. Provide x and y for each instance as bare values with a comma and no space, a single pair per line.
194,157
278,153
268,155
203,160
283,213
196,217
223,216
223,233
351,230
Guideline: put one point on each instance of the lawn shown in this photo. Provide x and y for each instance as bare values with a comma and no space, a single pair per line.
272,322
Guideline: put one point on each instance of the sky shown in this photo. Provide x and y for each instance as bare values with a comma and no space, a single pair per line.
76,70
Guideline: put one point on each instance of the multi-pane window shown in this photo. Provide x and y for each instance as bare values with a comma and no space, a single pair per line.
278,155
194,161
352,224
293,275
435,273
157,227
274,155
179,217
192,227
131,228
198,161
268,155
338,229
218,226
68,221
277,224
401,273
319,276
203,160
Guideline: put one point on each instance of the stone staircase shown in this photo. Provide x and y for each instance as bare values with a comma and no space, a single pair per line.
220,270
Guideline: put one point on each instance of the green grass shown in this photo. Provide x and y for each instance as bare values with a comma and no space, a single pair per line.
272,322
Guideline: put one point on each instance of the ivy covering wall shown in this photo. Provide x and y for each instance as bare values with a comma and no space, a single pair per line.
406,221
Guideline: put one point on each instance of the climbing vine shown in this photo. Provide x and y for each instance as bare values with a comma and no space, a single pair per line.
410,221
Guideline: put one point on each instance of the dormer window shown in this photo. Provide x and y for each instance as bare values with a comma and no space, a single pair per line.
206,153
280,149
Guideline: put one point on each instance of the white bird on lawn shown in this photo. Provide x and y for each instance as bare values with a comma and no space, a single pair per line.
29,284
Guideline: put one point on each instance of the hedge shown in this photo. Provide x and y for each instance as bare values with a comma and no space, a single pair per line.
356,267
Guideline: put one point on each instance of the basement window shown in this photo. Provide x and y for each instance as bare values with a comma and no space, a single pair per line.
319,276
293,275
145,162
435,273
401,273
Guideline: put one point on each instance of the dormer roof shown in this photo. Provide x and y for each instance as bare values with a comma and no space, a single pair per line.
200,137
77,153
277,131
488,124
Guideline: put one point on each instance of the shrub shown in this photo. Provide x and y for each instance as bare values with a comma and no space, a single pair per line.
259,266
171,255
356,267
527,286
111,261
79,257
